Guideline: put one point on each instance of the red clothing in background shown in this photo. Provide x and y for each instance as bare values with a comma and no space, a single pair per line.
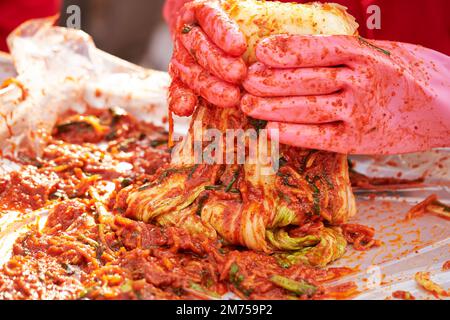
14,12
424,22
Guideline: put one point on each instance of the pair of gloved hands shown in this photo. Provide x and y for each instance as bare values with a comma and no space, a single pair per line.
335,93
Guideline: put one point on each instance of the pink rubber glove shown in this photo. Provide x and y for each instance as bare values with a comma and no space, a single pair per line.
347,95
207,61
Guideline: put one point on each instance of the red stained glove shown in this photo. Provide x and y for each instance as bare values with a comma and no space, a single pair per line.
207,58
349,95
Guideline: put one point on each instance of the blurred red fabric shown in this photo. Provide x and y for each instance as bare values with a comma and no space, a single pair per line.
14,12
423,22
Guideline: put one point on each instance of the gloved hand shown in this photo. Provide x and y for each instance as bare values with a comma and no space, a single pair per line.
207,58
171,11
350,95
